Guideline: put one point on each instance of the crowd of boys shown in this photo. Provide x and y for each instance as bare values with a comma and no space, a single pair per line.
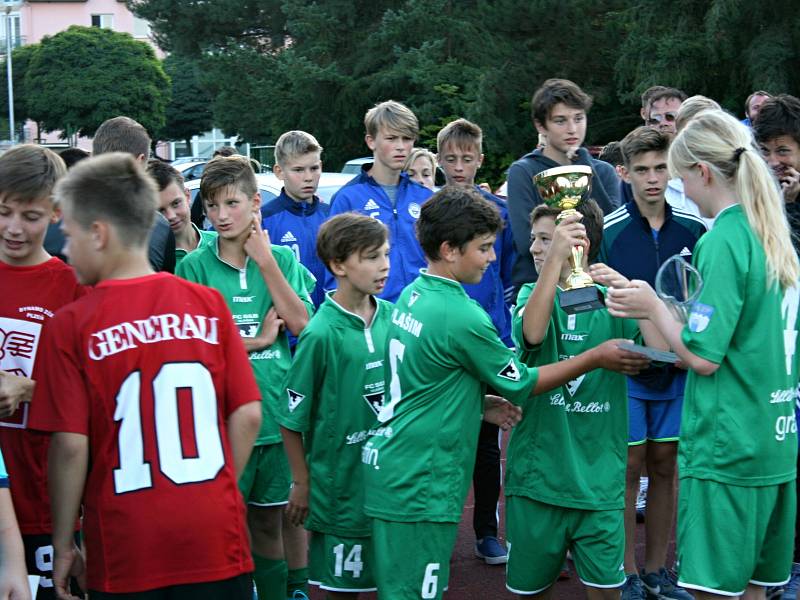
309,399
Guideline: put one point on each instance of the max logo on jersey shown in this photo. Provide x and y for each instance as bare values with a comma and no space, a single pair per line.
685,252
413,298
288,237
295,398
371,205
510,371
375,401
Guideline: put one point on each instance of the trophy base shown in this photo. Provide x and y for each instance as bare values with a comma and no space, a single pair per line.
580,300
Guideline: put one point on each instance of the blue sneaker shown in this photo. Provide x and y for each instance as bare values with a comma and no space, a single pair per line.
660,586
632,588
791,588
491,551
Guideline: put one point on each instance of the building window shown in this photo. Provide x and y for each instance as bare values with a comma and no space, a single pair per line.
103,21
141,28
16,40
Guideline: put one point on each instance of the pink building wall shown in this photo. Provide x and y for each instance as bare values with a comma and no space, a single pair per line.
38,19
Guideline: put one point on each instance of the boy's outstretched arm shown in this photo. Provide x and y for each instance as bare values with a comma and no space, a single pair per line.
607,355
639,301
67,464
289,306
297,509
539,308
242,426
605,275
13,574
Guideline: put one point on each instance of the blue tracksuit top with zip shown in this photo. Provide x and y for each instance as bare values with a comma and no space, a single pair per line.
631,247
365,195
295,225
495,292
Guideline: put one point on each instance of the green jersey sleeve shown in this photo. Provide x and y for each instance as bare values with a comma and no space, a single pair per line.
716,313
303,382
299,277
484,354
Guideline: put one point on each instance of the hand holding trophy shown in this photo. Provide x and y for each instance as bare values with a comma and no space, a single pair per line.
565,188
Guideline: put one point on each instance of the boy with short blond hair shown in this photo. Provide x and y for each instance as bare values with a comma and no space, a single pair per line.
267,291
35,285
174,203
460,154
333,393
294,217
383,191
153,413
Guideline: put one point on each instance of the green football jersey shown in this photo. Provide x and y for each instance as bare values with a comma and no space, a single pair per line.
205,238
332,394
249,299
738,425
442,349
571,447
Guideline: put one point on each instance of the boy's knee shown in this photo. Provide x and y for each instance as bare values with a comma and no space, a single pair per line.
265,524
662,463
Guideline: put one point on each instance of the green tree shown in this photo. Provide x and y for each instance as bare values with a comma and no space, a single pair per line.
189,110
721,49
20,59
192,28
85,75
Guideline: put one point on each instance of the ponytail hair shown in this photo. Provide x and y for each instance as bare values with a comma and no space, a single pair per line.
719,141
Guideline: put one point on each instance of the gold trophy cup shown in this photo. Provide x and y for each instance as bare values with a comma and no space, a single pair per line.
565,188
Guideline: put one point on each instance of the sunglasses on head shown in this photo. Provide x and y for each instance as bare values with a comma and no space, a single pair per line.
669,117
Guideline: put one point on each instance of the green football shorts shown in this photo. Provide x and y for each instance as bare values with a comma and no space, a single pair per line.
412,560
266,478
730,535
540,534
341,564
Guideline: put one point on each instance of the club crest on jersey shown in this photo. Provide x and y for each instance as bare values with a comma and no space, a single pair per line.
414,210
375,401
572,386
413,298
510,371
295,398
700,317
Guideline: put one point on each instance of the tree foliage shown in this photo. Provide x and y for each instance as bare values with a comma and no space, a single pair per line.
80,77
189,110
20,59
273,65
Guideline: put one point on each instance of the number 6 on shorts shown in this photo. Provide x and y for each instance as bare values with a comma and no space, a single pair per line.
430,581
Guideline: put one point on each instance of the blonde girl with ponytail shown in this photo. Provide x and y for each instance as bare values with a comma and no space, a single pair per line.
738,449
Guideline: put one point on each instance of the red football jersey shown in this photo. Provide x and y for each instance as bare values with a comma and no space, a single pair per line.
149,369
29,299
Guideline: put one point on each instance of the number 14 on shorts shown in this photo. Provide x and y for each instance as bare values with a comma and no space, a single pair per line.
352,563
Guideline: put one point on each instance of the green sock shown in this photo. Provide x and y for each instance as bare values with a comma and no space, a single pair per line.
297,581
270,578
